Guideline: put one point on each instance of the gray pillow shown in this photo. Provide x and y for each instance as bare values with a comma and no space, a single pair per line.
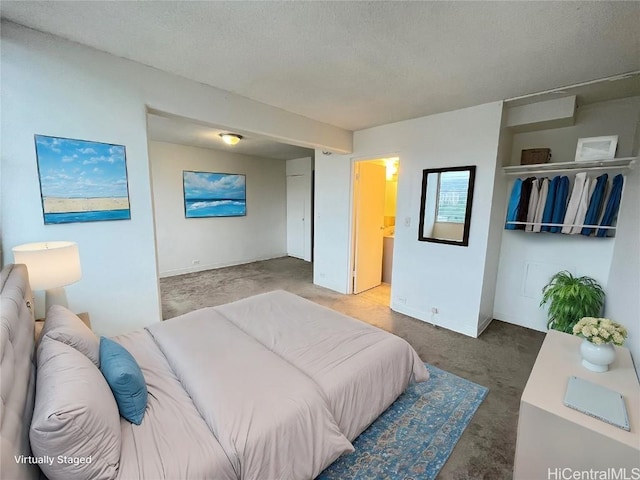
64,326
75,421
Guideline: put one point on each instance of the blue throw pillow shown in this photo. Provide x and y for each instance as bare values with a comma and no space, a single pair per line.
125,379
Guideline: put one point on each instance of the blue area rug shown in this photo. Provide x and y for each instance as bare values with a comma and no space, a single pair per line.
414,437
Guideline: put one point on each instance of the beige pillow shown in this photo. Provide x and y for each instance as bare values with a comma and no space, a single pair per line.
64,326
75,421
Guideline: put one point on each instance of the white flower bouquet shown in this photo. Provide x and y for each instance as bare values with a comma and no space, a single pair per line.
600,331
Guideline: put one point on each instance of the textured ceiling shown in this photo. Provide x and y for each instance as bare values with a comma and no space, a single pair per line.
358,64
182,131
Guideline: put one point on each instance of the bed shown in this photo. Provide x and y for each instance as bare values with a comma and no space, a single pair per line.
269,387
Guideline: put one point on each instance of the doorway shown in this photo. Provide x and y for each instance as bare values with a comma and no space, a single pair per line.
375,187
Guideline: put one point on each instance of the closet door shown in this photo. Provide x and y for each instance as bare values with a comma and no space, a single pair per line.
297,193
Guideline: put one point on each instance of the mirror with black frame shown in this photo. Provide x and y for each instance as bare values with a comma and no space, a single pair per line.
445,207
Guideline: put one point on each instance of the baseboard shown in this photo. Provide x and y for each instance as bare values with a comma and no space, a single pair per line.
213,266
330,286
516,320
299,258
411,312
426,317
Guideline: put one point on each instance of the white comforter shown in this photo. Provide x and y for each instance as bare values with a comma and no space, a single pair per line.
173,440
360,368
272,387
269,417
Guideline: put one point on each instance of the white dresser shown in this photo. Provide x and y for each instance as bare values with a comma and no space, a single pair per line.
553,437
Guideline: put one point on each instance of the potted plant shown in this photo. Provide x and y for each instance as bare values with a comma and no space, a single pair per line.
570,299
600,335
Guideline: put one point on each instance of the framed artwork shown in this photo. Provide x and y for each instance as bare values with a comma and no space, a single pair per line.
596,148
214,194
82,181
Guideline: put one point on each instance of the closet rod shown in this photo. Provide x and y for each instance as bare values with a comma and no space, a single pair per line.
560,225
561,170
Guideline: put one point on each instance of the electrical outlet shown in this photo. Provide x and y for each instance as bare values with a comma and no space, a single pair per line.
195,262
402,300
434,313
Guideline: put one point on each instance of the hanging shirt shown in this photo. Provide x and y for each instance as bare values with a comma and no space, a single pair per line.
523,205
611,210
542,201
582,207
595,204
533,203
605,201
547,215
560,204
514,200
574,202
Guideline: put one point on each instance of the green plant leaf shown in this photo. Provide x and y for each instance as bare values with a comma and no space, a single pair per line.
570,299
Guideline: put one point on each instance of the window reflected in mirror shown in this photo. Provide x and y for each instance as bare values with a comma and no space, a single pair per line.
445,207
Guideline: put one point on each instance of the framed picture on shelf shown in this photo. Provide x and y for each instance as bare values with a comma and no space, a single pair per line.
596,148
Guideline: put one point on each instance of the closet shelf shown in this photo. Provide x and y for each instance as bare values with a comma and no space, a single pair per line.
561,225
566,167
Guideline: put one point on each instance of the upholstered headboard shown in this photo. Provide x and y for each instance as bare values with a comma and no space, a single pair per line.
18,373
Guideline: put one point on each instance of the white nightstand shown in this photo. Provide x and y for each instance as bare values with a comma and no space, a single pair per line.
552,436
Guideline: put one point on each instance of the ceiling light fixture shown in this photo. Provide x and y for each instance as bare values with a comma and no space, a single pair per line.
230,138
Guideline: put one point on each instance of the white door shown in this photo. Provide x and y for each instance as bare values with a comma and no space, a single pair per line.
296,205
369,190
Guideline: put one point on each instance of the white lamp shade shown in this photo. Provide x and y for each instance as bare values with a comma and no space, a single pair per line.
50,264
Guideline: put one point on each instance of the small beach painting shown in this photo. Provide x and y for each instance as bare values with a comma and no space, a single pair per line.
214,194
82,181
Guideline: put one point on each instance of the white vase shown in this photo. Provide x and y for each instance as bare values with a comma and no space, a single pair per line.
597,358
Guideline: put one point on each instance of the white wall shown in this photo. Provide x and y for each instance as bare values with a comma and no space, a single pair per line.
496,223
622,300
555,113
615,117
304,167
425,275
527,264
54,87
527,260
299,166
47,90
216,242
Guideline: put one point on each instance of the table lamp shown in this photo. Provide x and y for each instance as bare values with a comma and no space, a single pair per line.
51,266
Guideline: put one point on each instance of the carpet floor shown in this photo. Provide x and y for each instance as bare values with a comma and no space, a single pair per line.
500,359
414,437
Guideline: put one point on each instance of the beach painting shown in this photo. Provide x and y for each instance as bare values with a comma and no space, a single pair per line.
214,194
82,181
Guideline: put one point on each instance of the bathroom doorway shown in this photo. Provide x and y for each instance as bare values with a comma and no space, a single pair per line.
375,189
